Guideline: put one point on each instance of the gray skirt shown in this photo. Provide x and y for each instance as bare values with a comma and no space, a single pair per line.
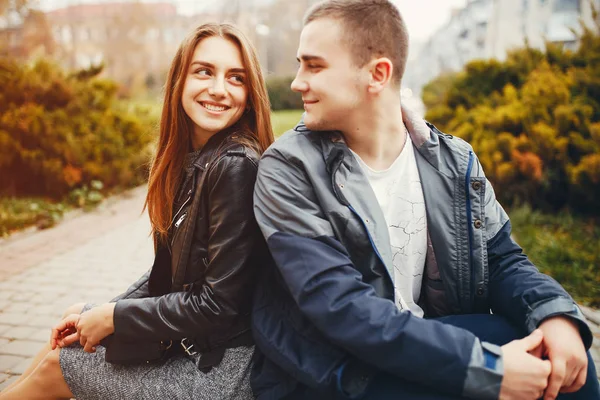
90,377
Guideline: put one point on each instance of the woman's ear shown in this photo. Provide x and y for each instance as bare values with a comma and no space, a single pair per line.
381,70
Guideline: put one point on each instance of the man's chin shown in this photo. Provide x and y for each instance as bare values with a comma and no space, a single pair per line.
315,124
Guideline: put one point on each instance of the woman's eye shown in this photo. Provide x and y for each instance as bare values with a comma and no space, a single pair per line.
238,78
202,71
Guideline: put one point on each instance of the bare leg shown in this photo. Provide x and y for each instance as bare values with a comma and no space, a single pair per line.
73,309
46,381
37,359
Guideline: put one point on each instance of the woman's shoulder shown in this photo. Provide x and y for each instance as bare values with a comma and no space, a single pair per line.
242,143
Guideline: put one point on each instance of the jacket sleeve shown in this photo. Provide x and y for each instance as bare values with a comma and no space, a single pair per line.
330,292
228,283
517,289
138,290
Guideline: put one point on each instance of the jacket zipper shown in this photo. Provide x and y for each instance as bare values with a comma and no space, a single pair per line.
369,236
181,208
345,202
470,223
180,220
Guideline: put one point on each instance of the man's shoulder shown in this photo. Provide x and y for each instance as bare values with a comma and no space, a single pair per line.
295,144
455,143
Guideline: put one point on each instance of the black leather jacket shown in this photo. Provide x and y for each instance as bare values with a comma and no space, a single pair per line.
217,250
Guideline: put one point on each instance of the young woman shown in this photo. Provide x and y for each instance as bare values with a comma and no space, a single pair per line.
183,330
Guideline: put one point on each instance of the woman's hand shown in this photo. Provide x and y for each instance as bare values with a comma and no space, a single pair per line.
90,328
60,339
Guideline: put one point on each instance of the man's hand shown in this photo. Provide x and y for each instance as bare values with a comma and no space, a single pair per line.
525,376
564,348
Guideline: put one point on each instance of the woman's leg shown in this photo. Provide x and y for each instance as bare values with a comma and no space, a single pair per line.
74,309
46,381
36,360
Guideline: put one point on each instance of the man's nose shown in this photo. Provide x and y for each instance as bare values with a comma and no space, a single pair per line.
299,85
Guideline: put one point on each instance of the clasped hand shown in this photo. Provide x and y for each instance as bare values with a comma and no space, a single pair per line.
527,376
89,328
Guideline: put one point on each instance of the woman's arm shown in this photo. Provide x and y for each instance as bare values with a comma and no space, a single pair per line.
229,281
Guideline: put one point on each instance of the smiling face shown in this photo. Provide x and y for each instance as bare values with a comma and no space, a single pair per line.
331,84
215,94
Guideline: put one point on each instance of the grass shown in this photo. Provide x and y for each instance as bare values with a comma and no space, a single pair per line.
281,120
284,120
563,246
19,213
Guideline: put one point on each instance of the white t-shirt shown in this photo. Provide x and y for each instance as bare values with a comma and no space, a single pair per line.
400,195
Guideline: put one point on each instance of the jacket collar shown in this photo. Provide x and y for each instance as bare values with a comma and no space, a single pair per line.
212,146
333,143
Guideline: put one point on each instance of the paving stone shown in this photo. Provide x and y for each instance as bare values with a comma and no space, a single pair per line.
8,382
7,362
13,318
40,335
20,297
47,310
4,328
20,368
19,332
5,294
17,308
40,321
24,348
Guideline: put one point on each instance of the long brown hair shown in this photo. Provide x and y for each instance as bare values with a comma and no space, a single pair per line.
176,127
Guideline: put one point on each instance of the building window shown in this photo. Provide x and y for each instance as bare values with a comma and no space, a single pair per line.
567,5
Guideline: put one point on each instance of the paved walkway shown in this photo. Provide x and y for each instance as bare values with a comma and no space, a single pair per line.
90,257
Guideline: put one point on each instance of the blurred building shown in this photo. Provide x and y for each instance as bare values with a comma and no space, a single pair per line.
491,28
462,39
135,41
516,22
11,33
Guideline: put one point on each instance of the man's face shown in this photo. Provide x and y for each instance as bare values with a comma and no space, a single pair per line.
332,86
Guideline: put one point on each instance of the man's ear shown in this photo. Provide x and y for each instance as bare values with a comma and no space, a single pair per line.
381,70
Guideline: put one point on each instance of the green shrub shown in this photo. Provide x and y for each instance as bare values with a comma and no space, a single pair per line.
281,96
533,120
19,213
60,132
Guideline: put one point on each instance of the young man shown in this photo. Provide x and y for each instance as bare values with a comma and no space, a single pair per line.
390,247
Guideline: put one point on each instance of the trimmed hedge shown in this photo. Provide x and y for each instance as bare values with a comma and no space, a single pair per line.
59,132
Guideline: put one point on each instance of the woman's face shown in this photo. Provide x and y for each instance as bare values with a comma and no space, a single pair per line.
215,93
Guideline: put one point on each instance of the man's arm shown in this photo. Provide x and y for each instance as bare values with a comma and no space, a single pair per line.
517,290
530,299
330,292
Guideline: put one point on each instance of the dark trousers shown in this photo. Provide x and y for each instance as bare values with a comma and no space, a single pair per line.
488,328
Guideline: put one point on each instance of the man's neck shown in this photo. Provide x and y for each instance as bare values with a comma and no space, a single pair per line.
378,135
